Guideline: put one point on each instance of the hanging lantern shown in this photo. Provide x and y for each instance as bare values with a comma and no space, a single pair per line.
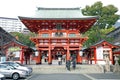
81,53
36,53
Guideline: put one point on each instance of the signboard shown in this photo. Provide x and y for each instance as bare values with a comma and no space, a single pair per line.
17,53
99,53
3,59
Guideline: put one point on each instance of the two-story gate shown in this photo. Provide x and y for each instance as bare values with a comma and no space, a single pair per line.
59,31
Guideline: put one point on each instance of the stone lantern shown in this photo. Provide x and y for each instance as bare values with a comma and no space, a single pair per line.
116,67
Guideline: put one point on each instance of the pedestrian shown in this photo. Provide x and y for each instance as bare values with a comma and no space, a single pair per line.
74,64
59,61
73,60
64,56
68,64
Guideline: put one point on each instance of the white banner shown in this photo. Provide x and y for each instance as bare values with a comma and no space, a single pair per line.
99,52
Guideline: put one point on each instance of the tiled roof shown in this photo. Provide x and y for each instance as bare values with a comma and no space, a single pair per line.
59,13
6,38
102,41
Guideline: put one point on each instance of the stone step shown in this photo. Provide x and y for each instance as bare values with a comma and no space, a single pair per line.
46,69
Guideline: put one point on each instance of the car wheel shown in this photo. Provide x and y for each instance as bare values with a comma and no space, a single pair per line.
15,76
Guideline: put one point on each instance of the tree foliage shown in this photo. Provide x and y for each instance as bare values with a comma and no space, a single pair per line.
107,19
24,38
106,14
104,25
95,36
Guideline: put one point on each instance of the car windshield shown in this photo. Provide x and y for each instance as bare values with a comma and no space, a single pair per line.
15,64
6,67
10,67
19,64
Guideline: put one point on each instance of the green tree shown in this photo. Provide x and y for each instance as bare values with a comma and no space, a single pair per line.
94,36
104,24
106,14
24,38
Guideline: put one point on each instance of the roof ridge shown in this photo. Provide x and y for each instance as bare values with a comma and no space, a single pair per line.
42,8
8,18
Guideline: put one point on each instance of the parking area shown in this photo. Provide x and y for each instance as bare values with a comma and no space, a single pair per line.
14,70
59,72
63,76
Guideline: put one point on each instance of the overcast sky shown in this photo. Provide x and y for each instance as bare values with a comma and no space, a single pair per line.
14,8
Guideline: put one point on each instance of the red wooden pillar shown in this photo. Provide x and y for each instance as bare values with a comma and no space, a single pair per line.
6,54
95,59
68,54
68,50
38,58
79,58
22,55
49,56
111,56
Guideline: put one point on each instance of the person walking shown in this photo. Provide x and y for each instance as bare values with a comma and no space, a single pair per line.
73,61
59,60
68,64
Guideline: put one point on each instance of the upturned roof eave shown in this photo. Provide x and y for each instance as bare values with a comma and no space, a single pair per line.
101,42
73,18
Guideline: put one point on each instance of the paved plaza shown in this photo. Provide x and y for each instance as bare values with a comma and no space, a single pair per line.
59,72
99,76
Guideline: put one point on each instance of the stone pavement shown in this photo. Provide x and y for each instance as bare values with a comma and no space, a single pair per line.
103,76
90,72
62,69
55,68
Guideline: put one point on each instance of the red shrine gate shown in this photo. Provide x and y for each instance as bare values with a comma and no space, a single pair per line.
59,32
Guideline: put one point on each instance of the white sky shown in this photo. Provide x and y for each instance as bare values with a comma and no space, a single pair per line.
14,8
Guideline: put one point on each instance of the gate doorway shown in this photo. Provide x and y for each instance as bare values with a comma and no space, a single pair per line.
59,55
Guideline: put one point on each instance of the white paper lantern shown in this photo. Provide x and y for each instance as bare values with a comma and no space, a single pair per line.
80,52
36,53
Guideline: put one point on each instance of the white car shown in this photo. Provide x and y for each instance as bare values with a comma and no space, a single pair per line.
11,72
18,66
2,77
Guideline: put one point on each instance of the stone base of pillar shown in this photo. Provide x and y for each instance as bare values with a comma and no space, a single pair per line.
38,63
107,68
79,63
49,63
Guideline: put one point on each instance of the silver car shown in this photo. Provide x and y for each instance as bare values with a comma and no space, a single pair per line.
18,66
11,72
2,77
